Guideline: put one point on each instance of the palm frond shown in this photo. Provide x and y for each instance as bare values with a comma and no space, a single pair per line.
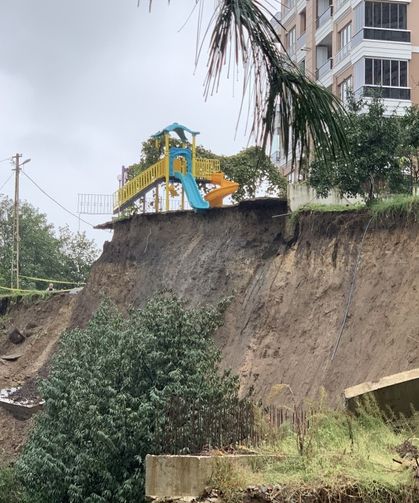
281,95
306,112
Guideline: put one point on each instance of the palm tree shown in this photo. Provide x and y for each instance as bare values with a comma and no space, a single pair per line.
308,115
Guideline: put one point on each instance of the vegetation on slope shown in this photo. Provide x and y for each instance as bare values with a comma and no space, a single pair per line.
111,396
384,210
339,455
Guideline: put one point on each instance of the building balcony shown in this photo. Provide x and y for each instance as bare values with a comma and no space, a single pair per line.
340,7
324,17
301,41
301,4
324,69
387,34
343,54
287,10
291,50
386,92
276,22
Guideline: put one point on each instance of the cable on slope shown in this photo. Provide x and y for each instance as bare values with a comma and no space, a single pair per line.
351,291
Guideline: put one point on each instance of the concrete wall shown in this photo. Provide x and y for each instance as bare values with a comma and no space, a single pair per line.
398,393
186,476
300,194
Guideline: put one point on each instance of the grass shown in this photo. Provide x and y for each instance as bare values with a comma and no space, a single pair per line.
396,206
322,208
342,454
325,208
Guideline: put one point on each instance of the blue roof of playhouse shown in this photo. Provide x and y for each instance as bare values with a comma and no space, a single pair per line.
176,128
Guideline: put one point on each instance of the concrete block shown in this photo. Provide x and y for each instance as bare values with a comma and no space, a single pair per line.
180,477
398,393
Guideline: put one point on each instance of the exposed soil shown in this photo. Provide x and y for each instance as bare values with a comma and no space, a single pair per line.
289,289
41,322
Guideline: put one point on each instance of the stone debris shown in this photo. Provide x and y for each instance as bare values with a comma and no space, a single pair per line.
15,336
21,408
11,358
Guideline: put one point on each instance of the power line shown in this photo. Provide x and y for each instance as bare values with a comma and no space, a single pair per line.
55,201
6,159
6,182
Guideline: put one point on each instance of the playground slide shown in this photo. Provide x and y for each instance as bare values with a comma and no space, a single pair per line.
216,196
192,191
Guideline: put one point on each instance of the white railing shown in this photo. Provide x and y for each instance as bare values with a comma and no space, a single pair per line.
325,16
276,21
323,70
291,49
301,41
343,53
340,4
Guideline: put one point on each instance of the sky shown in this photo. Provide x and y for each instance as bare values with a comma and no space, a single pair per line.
84,82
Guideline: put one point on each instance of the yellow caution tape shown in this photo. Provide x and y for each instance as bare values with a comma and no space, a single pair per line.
15,289
20,290
62,282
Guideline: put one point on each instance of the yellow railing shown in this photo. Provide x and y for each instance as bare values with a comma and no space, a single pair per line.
206,167
140,182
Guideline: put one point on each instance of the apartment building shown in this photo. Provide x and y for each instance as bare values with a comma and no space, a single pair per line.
360,45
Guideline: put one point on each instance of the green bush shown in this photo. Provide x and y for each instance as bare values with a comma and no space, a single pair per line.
108,399
10,489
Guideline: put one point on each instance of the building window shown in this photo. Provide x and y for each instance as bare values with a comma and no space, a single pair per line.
291,40
303,22
345,88
386,15
302,66
345,36
385,72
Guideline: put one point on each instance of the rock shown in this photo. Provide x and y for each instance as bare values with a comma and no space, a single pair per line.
15,336
12,357
30,329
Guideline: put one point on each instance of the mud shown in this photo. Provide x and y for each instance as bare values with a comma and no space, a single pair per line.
41,322
289,286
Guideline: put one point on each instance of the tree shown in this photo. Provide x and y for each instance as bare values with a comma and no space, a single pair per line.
373,166
109,401
42,254
252,168
409,149
78,254
306,113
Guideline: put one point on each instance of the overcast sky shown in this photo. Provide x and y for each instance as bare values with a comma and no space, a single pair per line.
84,82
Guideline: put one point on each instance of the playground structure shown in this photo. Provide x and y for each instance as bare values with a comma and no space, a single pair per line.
178,165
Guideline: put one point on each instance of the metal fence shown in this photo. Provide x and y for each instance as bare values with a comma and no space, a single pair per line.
185,428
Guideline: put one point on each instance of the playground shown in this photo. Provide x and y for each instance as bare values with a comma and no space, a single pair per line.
178,166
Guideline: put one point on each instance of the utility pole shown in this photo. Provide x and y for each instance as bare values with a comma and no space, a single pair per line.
15,271
16,230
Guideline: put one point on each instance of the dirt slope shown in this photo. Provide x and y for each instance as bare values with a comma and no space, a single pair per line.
41,322
289,290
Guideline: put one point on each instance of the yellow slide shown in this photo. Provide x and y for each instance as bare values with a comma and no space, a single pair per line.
216,196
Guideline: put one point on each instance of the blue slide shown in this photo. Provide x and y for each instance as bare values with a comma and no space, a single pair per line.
192,191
